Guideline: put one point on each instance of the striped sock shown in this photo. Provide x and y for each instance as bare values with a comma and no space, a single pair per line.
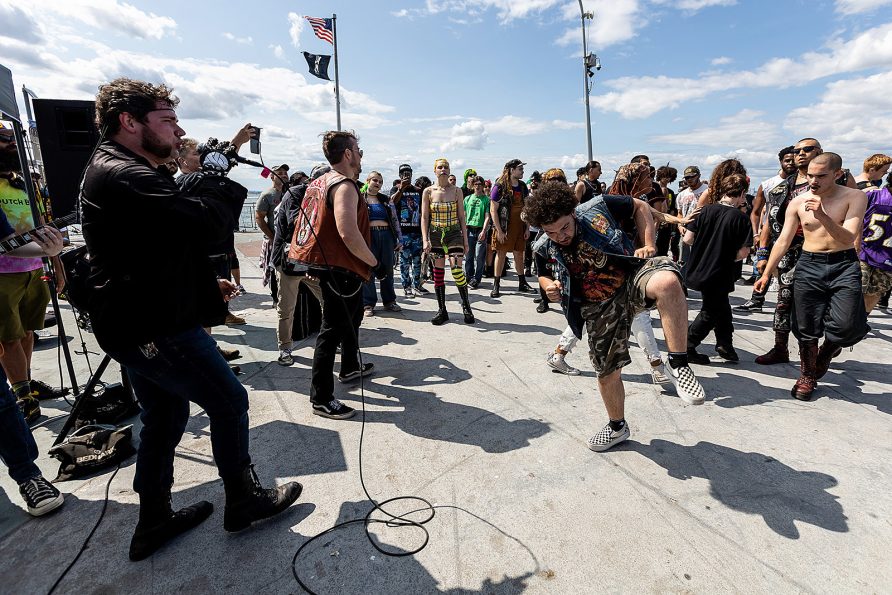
458,274
439,277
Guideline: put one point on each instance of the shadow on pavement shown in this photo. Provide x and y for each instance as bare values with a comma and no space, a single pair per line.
753,483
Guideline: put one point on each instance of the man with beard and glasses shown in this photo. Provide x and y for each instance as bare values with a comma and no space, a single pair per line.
153,326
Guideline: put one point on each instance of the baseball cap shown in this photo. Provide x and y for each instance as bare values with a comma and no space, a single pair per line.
514,163
278,167
405,167
692,170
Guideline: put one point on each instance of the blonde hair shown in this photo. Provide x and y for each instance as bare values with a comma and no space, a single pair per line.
372,174
555,174
443,160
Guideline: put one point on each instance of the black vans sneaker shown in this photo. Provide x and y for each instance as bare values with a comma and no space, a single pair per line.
40,495
334,409
367,368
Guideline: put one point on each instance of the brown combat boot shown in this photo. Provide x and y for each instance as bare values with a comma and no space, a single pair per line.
826,353
780,353
805,386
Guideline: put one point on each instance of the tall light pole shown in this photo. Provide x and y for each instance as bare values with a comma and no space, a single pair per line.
587,62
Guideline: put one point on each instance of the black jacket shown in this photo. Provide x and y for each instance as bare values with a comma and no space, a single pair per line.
283,227
150,276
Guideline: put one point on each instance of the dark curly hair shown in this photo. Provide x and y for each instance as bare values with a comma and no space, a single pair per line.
550,203
124,95
722,170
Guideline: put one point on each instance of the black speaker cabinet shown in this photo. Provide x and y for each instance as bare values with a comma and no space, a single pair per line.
67,136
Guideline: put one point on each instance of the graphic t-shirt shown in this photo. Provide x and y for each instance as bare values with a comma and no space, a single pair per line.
476,208
409,210
721,231
595,275
17,211
687,200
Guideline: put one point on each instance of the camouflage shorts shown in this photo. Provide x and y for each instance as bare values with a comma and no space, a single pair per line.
608,324
875,281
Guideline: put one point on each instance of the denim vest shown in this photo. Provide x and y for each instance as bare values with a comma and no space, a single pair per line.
598,229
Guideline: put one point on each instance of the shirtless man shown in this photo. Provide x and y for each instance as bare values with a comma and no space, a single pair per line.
827,298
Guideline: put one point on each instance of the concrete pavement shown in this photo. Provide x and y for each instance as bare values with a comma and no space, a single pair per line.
753,491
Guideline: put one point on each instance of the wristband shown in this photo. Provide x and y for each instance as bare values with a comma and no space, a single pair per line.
762,253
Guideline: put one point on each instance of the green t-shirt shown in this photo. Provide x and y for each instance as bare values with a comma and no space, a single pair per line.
475,209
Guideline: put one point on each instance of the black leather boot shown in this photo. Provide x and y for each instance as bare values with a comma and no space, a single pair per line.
158,523
442,315
248,501
466,305
524,287
495,287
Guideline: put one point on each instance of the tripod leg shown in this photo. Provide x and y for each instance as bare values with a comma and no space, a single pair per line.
60,329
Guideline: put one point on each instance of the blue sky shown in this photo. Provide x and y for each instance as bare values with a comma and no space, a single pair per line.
481,82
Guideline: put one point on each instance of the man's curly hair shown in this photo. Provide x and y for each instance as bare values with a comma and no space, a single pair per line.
552,201
137,98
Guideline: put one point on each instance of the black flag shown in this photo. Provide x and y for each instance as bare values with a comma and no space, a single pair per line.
318,65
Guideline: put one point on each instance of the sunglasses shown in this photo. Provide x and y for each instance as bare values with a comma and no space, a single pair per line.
6,139
692,177
807,149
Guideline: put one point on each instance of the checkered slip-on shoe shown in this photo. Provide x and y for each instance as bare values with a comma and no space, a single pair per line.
686,384
608,438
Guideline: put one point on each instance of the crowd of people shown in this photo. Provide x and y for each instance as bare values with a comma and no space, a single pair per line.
607,255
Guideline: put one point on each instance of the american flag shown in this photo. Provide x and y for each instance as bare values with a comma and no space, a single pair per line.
322,28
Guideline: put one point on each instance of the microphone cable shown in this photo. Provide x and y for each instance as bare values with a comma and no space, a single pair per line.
391,519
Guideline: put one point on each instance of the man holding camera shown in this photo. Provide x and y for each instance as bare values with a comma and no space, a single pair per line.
407,202
170,359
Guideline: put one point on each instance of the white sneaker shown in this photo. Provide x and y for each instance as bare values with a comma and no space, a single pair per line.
608,438
658,374
686,384
559,363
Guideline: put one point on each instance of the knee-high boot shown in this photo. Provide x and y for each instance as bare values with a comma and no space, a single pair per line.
442,315
466,304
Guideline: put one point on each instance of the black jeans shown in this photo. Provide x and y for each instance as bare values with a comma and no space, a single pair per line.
715,316
341,316
187,367
827,298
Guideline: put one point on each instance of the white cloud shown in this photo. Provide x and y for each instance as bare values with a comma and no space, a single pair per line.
240,40
278,51
721,61
640,97
858,6
401,13
853,117
615,21
695,5
108,15
296,28
744,126
19,25
467,135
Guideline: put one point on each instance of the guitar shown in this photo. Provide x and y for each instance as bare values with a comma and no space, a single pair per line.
19,241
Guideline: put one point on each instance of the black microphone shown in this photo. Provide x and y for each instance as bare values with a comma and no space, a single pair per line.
241,159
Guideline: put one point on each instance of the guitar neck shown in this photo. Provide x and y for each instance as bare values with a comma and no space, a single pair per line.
25,238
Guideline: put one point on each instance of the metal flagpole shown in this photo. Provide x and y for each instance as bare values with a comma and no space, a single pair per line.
334,32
